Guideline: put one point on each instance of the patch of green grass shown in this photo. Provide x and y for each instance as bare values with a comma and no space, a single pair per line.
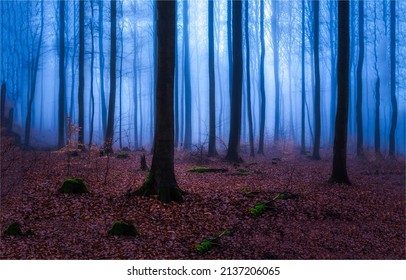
13,230
204,246
258,209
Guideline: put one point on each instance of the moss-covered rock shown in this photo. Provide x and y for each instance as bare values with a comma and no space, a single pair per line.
122,155
14,230
123,228
74,186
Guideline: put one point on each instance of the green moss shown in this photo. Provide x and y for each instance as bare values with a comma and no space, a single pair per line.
204,246
123,228
258,209
13,230
122,155
74,186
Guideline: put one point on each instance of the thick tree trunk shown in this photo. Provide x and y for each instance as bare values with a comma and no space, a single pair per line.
262,84
339,173
212,95
161,178
236,100
359,77
317,126
108,140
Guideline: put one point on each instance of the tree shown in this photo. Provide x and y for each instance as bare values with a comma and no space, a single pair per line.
101,61
108,140
236,98
91,77
262,83
188,86
248,72
275,40
81,90
317,130
377,135
393,78
161,179
212,96
359,76
339,173
33,81
303,126
61,98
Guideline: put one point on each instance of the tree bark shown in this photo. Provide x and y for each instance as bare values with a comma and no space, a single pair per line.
359,77
317,126
339,173
81,103
108,140
61,97
236,99
161,179
303,125
262,83
275,40
248,71
212,95
188,86
393,78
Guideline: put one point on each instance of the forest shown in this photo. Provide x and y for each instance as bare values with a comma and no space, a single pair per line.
199,129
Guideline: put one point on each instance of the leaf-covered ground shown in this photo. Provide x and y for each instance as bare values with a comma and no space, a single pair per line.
321,221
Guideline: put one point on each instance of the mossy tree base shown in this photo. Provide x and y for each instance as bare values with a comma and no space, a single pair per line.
166,191
73,186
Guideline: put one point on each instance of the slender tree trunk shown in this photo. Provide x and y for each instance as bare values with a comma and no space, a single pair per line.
333,66
212,95
275,40
73,68
339,173
377,134
135,90
91,79
33,82
317,132
61,97
3,105
303,125
161,178
108,140
188,86
101,62
81,89
121,81
359,77
248,71
236,100
262,83
393,78
230,47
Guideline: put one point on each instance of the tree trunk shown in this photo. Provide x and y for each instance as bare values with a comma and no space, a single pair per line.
188,86
91,79
359,77
393,78
121,81
377,136
236,100
212,95
3,105
61,98
108,140
275,40
333,66
262,83
248,71
81,103
161,178
101,62
339,173
303,125
317,130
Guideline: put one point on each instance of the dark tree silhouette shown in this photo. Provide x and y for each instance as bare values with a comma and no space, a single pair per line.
91,107
81,90
339,174
61,98
393,78
262,83
3,105
303,126
161,179
212,102
248,72
275,41
377,135
317,126
188,85
101,61
236,98
359,76
108,140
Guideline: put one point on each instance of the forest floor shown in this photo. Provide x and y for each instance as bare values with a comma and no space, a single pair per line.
366,220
